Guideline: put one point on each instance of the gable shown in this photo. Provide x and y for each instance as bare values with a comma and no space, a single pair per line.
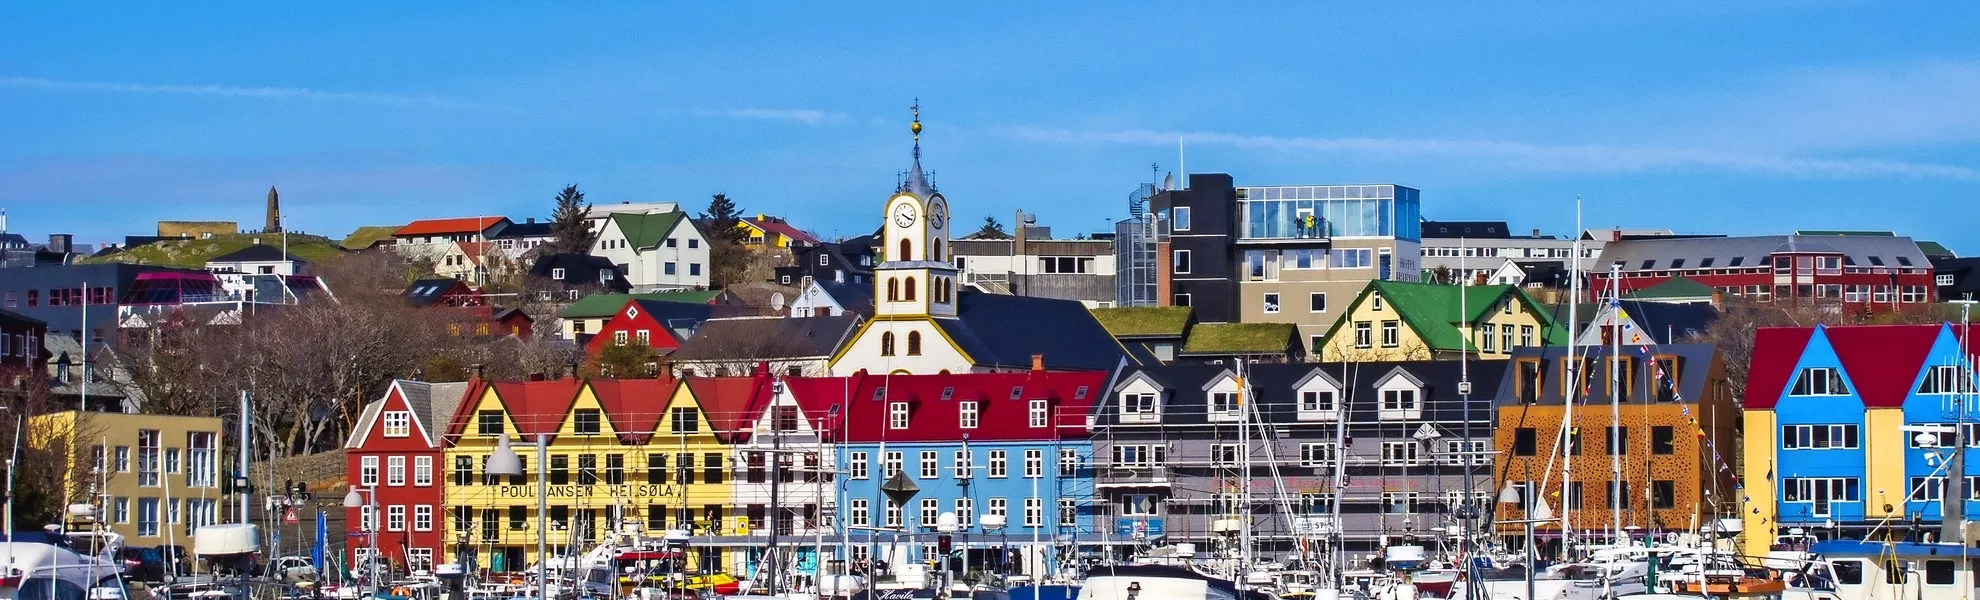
1881,361
1776,351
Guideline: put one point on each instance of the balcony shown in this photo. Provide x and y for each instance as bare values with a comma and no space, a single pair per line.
1127,476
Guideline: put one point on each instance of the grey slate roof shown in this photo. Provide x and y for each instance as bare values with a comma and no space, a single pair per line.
1003,331
856,297
1694,368
1661,253
434,403
767,338
1273,384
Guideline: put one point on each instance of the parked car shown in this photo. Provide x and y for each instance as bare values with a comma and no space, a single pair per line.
146,564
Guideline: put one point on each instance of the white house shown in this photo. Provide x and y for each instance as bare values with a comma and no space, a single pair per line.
259,259
661,251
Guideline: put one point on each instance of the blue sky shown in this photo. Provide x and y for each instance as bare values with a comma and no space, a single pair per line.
1759,117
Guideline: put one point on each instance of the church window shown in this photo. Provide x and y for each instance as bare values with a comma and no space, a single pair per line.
907,250
893,289
914,343
907,291
887,343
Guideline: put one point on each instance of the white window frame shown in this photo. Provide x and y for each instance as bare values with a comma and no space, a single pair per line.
897,415
1828,383
1271,304
929,469
969,414
397,423
368,471
1401,454
856,466
1000,464
1179,263
395,517
858,513
1321,297
1179,218
895,463
1040,416
1318,454
1034,512
422,471
422,517
395,471
1034,463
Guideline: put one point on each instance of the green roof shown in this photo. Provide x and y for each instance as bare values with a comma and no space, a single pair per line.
1677,287
1432,310
1238,338
1137,321
645,230
191,253
1934,249
367,235
605,305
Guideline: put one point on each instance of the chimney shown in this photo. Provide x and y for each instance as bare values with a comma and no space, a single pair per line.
532,221
1615,235
1037,363
60,242
1536,233
478,374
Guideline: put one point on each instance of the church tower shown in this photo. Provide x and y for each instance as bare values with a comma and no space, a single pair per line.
916,277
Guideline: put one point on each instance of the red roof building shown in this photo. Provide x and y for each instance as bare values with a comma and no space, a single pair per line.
395,454
935,404
1859,273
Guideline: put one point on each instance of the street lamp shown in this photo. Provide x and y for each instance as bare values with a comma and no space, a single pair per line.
505,462
356,499
1535,512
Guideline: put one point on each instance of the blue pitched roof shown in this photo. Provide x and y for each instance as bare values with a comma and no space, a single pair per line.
1004,331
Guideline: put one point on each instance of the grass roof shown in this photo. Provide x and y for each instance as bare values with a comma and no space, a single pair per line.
1238,338
367,235
1135,321
193,253
1677,287
605,305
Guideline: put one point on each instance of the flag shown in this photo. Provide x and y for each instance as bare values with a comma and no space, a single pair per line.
317,551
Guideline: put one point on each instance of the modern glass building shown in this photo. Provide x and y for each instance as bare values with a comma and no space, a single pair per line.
1328,211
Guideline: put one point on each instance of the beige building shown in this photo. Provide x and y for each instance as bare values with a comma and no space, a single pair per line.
1399,321
1311,289
152,478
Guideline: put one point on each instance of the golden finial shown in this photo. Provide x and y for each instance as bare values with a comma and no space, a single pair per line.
916,126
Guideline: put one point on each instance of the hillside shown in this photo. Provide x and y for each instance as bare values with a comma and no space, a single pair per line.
193,253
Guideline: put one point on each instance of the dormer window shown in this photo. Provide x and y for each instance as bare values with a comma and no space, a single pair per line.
1399,401
557,273
1313,401
1138,407
1223,403
1375,301
1401,396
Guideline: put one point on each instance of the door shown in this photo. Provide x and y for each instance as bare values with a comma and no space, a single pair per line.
1822,498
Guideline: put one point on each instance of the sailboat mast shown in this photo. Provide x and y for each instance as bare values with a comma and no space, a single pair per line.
1574,376
1615,400
1244,477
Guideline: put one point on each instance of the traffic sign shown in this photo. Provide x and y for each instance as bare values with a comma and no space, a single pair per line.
289,518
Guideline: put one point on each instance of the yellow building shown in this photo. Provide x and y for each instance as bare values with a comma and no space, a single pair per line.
622,453
154,479
1396,321
765,230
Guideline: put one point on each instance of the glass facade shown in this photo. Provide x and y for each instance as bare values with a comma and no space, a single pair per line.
1328,211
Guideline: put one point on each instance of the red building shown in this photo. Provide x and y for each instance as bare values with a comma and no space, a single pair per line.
1857,272
661,325
395,454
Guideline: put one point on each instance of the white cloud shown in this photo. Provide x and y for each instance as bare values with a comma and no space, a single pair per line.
1592,158
795,115
273,93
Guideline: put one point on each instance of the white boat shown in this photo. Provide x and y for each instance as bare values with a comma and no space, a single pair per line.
49,572
1155,582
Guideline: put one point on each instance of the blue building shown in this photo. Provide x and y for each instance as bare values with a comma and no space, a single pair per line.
971,445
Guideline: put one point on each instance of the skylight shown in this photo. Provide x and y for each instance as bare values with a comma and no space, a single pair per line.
1705,263
948,393
1649,264
1017,392
1904,260
1677,263
1080,394
1735,261
1877,261
880,393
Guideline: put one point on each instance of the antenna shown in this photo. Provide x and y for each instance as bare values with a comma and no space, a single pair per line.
1181,166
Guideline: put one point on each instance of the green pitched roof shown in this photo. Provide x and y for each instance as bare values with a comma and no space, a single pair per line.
1134,321
1677,287
367,235
645,230
1432,310
605,305
1238,338
1934,249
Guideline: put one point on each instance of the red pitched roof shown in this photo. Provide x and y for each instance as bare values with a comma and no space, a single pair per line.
633,405
1775,352
475,250
453,225
1882,360
932,417
536,407
779,227
727,402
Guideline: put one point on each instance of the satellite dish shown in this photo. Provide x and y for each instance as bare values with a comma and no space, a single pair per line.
777,301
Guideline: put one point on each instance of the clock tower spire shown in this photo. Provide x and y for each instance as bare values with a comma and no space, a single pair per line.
916,278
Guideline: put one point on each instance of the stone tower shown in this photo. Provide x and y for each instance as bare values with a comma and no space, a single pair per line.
274,212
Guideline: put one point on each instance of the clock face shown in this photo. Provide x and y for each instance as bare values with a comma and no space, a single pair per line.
937,216
904,215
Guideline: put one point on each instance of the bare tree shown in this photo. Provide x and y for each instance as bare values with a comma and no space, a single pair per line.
738,347
45,477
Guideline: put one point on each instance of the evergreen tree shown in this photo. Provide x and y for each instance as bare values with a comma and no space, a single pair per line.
719,221
991,228
567,223
727,257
